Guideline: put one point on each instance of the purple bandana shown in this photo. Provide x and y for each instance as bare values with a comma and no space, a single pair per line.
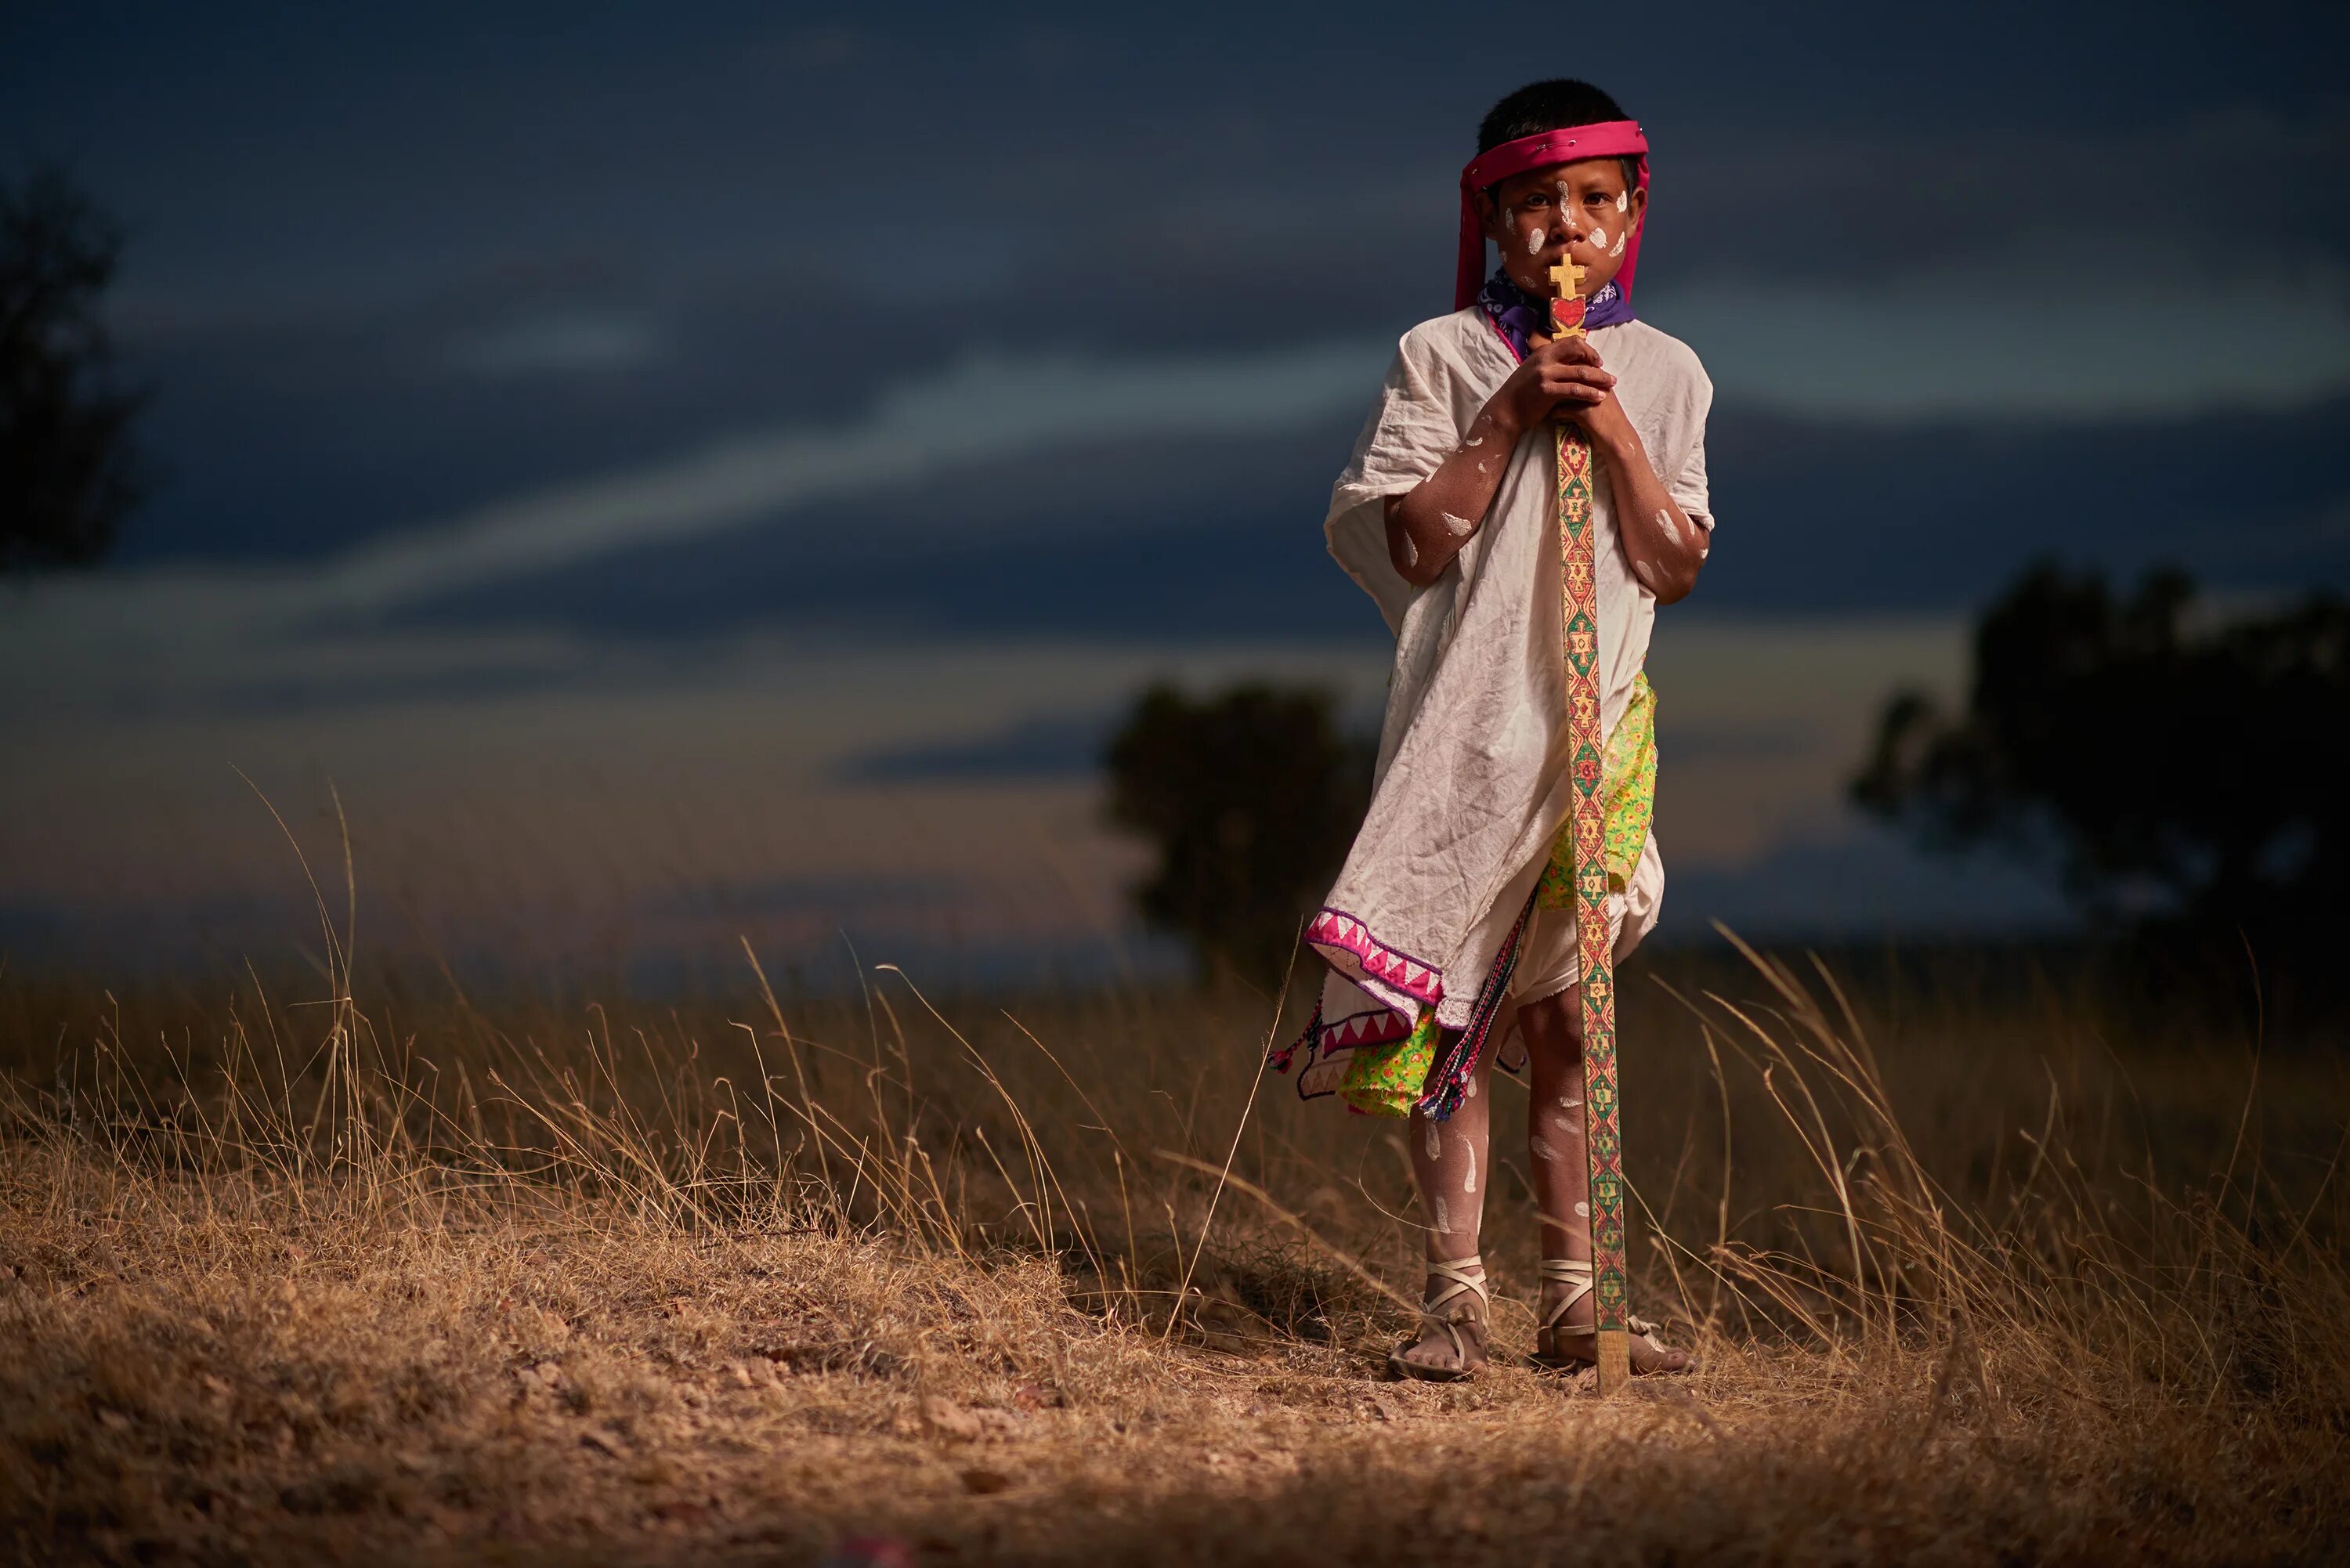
1517,315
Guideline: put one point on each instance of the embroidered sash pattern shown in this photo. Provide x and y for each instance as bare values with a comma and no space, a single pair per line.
1586,749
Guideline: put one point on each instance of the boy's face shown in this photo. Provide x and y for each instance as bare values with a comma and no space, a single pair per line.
1581,210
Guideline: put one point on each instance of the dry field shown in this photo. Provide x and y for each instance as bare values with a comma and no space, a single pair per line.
370,1271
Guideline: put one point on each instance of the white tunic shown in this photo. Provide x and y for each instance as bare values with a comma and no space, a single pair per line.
1472,783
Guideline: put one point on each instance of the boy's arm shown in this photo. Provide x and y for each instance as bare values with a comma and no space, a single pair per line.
1428,525
1665,546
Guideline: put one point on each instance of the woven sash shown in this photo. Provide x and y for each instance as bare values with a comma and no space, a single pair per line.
1588,823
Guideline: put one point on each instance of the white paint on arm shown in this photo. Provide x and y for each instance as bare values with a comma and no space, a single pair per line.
1459,527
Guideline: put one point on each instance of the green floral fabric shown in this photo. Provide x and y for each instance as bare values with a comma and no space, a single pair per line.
1387,1080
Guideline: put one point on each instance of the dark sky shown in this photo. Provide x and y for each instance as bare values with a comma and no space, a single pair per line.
390,264
525,365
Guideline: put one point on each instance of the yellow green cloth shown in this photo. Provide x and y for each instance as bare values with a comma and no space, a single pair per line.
1387,1080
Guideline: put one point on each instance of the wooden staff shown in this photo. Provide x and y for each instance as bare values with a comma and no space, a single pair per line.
1588,747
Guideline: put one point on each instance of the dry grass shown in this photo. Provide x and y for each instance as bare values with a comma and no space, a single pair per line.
324,1277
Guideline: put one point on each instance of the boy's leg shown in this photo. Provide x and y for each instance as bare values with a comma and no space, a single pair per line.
1561,1164
1553,1031
1449,1163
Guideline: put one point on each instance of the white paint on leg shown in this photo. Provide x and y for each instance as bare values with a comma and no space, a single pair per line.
1543,1151
1469,1182
1443,1219
1434,1142
1582,1212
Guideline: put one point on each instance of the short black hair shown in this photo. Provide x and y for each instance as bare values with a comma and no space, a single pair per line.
1552,105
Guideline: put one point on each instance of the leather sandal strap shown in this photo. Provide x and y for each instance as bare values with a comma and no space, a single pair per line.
1573,1273
1459,1283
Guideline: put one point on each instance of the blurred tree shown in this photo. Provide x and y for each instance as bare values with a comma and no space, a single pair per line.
2187,773
1252,797
69,474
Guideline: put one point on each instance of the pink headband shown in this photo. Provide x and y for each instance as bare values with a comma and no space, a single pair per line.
1611,139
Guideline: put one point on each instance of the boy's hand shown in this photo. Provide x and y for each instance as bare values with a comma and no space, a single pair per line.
1561,376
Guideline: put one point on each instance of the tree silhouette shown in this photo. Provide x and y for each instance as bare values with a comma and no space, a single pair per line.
68,470
1252,797
2187,774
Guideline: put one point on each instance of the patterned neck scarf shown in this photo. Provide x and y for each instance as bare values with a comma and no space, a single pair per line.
1517,315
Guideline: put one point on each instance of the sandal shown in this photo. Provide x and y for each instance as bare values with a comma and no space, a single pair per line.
1432,1316
1650,1356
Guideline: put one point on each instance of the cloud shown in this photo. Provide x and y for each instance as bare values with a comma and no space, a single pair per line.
563,343
1992,337
974,410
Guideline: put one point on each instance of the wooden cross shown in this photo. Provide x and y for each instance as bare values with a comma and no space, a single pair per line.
1567,278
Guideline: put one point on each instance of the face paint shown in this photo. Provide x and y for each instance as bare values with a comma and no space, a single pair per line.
1618,248
1624,201
1598,237
1534,242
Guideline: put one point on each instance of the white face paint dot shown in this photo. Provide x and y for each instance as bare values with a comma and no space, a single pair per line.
1623,201
1534,242
1599,236
1618,249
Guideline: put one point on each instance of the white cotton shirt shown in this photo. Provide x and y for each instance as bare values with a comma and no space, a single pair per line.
1472,783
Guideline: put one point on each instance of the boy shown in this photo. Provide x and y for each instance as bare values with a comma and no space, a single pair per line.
1445,928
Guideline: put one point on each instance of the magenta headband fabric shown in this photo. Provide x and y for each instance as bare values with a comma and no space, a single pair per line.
1609,139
